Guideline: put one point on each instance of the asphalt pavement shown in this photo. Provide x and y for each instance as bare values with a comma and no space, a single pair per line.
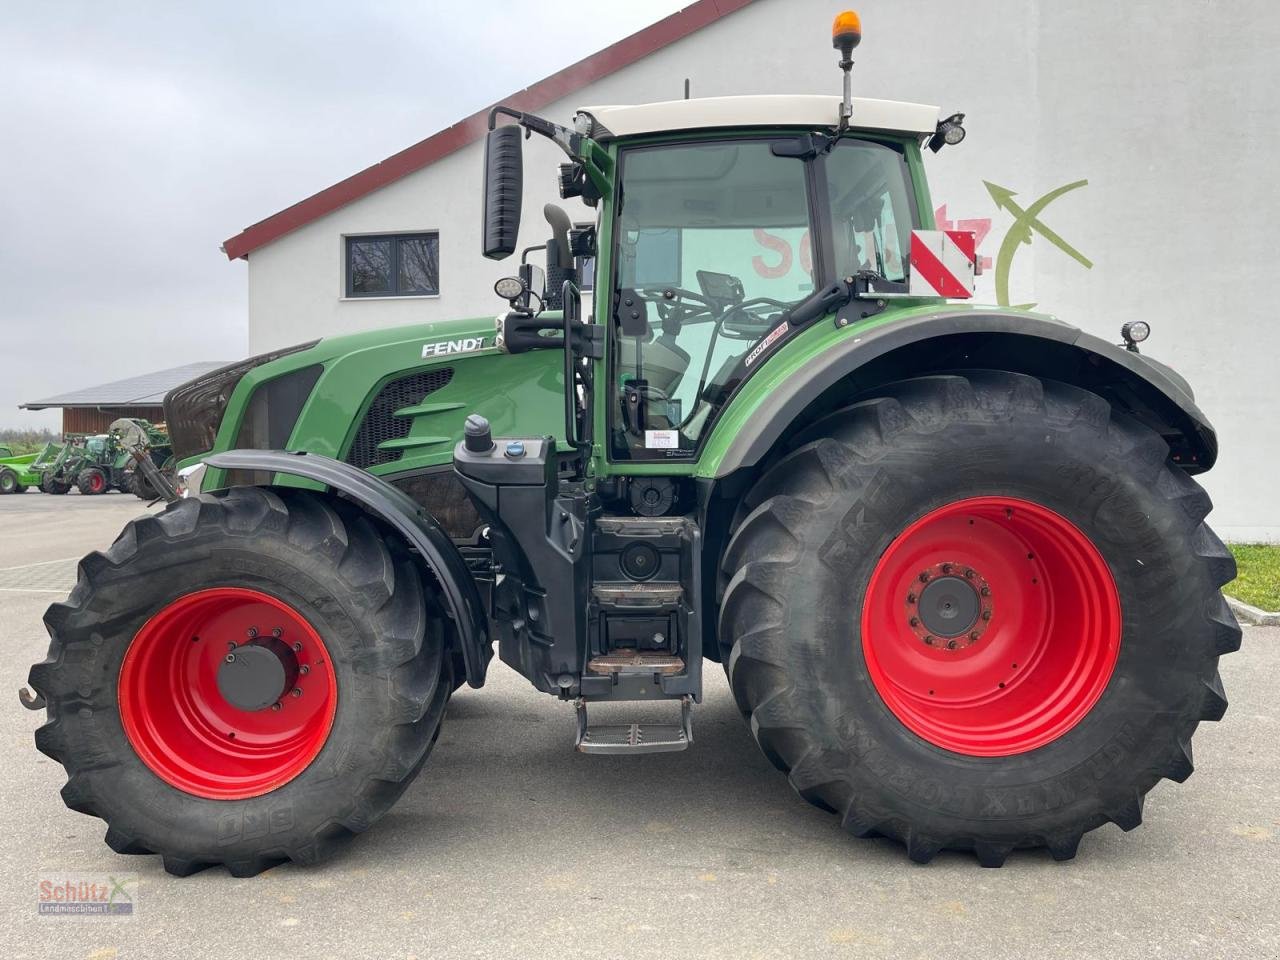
512,845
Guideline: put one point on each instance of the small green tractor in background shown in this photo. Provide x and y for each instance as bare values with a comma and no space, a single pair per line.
951,558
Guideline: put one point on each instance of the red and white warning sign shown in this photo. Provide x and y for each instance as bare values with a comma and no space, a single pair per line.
942,263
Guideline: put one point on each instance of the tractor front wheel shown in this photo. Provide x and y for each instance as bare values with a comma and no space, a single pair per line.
243,680
977,612
8,482
51,484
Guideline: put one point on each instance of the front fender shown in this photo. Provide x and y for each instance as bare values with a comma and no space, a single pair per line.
809,367
416,525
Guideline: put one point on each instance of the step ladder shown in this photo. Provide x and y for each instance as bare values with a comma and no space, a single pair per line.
635,738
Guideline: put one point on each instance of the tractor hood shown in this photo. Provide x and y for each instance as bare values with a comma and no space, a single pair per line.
391,401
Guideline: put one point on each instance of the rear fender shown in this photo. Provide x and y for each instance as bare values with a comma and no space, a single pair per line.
937,341
419,529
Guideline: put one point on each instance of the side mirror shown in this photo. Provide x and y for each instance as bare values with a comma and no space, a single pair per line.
503,189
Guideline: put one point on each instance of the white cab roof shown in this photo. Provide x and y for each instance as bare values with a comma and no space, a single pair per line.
759,111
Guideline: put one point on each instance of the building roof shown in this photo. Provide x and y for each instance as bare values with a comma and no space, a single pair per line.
451,139
142,391
759,111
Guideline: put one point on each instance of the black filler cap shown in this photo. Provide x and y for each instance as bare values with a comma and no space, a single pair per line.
477,436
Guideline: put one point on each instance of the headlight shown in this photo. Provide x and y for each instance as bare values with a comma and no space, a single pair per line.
194,410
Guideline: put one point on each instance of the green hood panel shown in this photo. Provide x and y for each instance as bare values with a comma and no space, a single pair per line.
520,394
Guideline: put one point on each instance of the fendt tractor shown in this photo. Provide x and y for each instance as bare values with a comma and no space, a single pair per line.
952,558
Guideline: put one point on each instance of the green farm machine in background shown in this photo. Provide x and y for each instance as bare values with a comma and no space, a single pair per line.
133,456
951,558
15,471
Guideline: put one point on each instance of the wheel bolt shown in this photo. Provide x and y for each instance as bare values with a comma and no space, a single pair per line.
915,621
304,669
297,648
275,706
929,640
985,591
276,632
986,614
253,632
951,644
973,635
911,598
231,645
924,576
231,658
969,574
297,691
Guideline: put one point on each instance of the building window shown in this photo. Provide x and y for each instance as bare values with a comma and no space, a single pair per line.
399,265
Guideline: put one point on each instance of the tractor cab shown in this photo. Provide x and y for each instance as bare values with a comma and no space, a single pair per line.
724,225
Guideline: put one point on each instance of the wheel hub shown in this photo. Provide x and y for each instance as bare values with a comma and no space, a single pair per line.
949,606
256,675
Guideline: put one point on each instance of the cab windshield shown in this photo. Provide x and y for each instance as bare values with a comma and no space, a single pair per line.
714,243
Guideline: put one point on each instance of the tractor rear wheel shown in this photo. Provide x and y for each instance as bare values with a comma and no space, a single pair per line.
977,612
243,679
8,482
92,482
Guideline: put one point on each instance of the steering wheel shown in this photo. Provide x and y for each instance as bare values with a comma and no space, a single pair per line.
740,324
672,304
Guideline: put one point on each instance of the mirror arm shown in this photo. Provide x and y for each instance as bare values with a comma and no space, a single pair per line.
562,137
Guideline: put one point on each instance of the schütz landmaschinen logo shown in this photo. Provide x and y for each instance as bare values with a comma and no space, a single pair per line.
86,895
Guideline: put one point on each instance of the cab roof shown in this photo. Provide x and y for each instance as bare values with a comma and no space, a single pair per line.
770,110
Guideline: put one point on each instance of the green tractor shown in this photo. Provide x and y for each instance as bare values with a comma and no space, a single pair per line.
952,558
92,464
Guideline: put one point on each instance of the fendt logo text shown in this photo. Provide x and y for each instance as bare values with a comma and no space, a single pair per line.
445,347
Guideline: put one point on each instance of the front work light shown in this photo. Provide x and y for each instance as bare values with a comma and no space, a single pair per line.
1134,332
950,132
509,288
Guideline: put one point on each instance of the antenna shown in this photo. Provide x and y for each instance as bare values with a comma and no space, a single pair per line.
686,88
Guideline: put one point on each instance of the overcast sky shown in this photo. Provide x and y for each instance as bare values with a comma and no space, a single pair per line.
139,136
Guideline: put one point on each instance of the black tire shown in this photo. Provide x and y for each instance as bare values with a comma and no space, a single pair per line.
140,487
815,526
50,484
21,488
92,482
365,597
9,482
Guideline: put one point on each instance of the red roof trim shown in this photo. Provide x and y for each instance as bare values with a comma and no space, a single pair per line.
609,60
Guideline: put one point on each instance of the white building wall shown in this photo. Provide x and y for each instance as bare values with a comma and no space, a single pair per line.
1168,110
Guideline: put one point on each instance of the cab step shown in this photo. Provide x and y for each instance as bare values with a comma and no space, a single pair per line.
634,738
652,595
629,662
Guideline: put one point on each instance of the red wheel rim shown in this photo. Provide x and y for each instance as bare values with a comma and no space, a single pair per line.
184,729
1043,639
96,483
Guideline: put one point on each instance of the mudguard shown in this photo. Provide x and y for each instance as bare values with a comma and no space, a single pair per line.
1168,392
422,531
